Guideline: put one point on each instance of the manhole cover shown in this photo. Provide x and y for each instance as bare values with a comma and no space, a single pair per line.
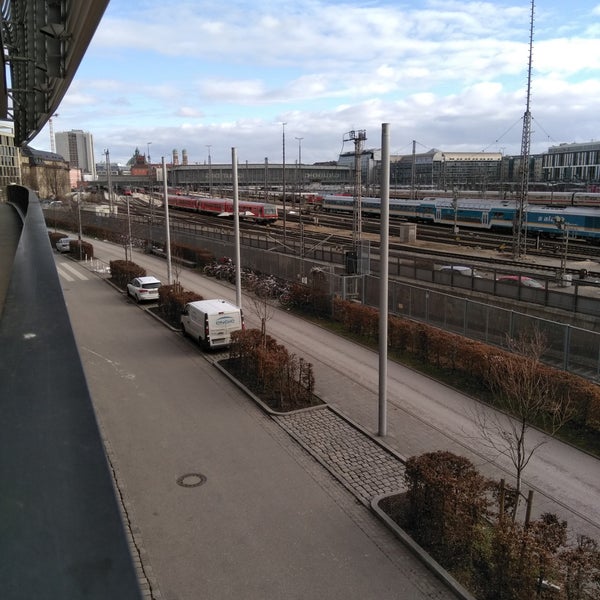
191,480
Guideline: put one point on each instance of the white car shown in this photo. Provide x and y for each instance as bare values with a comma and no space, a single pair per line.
143,288
64,244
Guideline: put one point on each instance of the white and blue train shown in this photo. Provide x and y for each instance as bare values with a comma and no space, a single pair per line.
581,222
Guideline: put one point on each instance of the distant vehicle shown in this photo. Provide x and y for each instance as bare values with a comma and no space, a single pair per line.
460,270
211,322
521,280
259,212
64,245
582,222
143,288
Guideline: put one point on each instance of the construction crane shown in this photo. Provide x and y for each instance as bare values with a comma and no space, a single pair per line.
520,224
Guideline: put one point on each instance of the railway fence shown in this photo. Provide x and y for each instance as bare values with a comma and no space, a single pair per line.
416,290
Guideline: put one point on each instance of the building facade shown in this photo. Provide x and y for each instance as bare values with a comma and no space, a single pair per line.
47,173
441,170
77,148
10,168
575,163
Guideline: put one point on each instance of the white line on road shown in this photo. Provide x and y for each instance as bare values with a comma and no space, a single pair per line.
74,271
64,275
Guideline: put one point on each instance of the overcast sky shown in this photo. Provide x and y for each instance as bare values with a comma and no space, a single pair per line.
189,74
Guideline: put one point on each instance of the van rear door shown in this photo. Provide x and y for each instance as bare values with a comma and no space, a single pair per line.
221,325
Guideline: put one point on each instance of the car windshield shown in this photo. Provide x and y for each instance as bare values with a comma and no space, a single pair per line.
151,286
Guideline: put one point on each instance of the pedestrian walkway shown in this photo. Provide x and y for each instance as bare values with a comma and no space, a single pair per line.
362,464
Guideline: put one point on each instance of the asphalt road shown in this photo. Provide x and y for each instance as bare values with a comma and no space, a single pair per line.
423,415
268,522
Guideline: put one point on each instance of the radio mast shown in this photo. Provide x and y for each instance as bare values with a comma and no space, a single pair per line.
520,223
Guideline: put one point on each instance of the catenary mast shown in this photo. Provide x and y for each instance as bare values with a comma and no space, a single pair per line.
520,224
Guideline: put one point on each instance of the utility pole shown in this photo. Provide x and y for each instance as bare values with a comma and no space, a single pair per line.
150,187
283,185
109,182
358,137
300,201
413,171
520,224
299,170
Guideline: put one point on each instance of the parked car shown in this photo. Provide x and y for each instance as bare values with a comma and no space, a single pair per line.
143,288
521,280
460,270
64,244
211,322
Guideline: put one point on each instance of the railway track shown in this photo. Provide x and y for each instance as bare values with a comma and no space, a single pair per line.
342,237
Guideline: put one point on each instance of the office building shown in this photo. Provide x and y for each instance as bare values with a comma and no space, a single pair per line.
77,147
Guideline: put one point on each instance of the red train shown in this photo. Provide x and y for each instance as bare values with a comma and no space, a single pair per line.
260,212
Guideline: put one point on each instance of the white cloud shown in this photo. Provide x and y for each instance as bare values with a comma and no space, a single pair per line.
449,74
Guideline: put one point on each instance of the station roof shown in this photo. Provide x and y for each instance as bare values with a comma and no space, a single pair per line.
43,43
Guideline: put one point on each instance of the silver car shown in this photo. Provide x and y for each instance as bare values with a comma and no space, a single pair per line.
64,244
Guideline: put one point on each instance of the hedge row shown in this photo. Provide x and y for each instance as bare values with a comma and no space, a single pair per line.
87,249
467,358
171,301
123,271
454,513
282,380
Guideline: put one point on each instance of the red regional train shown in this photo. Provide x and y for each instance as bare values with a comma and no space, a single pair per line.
259,212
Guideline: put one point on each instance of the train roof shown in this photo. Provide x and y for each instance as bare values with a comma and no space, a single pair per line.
475,203
213,199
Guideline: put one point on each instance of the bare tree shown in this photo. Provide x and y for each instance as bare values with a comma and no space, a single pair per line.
264,310
527,396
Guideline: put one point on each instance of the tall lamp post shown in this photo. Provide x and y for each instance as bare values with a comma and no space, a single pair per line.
79,219
109,182
300,203
150,183
283,184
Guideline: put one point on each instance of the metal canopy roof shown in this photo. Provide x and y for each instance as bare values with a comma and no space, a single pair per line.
43,43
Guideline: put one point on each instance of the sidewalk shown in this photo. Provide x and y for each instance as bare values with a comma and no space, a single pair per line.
268,522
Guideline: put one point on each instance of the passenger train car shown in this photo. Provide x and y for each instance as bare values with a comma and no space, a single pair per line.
258,212
581,222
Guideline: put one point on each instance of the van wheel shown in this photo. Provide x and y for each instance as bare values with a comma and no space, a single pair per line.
183,331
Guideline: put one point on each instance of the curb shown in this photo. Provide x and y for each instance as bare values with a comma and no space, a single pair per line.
425,558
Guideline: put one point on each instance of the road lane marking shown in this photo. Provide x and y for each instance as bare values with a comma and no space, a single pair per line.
74,271
64,275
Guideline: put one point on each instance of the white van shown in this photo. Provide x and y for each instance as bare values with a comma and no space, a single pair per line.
211,322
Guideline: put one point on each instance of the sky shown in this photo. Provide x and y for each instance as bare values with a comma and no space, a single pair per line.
269,75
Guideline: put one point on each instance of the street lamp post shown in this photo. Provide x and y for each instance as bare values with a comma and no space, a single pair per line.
300,202
283,184
79,219
150,186
109,182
